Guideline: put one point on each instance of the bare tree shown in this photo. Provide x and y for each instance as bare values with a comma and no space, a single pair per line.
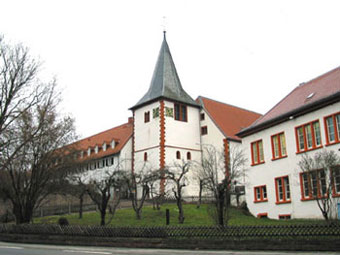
178,177
219,172
319,179
138,184
19,86
35,160
101,186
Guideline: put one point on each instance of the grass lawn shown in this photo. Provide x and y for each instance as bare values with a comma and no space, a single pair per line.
150,217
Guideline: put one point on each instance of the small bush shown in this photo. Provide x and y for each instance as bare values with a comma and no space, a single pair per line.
63,221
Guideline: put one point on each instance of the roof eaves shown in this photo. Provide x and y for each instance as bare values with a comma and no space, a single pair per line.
291,114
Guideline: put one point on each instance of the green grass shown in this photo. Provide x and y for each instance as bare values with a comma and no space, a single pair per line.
150,217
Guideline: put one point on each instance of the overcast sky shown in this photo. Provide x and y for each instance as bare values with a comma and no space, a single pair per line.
246,53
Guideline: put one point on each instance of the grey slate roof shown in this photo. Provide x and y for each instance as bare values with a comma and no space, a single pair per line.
165,82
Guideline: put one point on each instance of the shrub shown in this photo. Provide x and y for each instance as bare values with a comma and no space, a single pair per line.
63,221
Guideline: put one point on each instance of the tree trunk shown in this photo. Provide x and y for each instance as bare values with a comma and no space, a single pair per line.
200,195
180,212
81,201
22,215
102,217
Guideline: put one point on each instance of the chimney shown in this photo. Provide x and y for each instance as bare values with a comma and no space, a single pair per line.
130,120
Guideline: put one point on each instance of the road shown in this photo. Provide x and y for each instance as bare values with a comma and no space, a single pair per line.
36,249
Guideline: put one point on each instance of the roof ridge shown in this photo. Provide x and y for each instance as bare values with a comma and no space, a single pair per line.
319,77
241,108
125,124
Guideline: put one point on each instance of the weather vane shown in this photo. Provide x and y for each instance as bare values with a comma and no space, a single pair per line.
164,24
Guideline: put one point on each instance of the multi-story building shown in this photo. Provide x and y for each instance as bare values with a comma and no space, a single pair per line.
167,127
304,122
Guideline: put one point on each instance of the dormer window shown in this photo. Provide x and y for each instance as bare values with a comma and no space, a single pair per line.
96,149
89,151
113,144
81,154
104,146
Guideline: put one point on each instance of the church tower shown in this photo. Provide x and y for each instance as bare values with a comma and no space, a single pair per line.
166,120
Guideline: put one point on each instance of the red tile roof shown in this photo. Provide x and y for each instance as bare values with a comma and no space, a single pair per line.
229,119
120,135
304,98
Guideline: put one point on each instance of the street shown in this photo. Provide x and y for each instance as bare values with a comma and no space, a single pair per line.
36,249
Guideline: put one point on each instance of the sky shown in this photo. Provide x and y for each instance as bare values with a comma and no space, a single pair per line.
245,53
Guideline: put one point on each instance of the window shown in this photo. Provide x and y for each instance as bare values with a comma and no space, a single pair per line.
188,155
336,180
146,117
204,130
284,217
178,155
260,193
202,116
262,215
257,152
308,136
181,112
313,184
145,156
282,190
279,146
332,127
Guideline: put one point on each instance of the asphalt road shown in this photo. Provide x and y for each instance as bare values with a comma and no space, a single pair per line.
36,249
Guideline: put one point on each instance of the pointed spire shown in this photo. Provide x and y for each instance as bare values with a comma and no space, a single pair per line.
165,82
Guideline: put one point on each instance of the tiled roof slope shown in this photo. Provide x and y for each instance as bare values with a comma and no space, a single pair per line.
165,82
229,119
120,135
305,98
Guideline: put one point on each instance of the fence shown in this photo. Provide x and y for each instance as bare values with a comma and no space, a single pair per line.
208,232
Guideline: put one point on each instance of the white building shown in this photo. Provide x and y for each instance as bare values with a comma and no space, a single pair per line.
168,127
306,121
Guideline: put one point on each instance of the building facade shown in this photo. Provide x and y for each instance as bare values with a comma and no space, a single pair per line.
305,122
169,128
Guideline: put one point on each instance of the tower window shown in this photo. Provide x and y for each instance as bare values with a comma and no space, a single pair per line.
181,112
188,156
202,116
204,130
178,155
145,156
146,117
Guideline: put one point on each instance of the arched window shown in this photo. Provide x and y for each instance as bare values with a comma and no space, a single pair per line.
178,154
188,155
145,156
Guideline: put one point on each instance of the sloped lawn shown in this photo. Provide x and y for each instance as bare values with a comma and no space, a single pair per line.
151,217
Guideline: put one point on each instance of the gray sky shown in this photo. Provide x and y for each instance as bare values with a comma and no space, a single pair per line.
246,53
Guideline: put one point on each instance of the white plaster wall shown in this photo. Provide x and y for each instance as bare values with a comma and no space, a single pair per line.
265,174
125,156
146,134
192,187
183,134
151,163
215,136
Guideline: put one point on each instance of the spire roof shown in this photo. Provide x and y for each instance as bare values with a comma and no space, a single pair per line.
165,82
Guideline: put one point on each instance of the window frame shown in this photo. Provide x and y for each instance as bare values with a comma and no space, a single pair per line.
258,156
311,185
285,191
204,130
178,112
306,135
259,190
280,146
335,184
147,117
336,127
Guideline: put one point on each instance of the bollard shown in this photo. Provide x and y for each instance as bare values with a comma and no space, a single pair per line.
167,215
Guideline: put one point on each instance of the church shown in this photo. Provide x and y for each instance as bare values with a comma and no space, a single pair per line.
167,127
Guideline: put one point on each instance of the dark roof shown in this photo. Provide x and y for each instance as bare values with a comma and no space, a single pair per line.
307,97
228,118
165,82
